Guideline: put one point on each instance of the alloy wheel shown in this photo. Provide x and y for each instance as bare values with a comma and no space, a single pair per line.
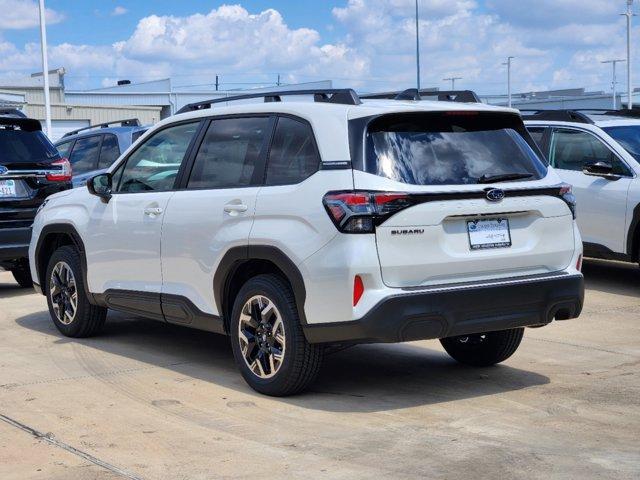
63,293
262,336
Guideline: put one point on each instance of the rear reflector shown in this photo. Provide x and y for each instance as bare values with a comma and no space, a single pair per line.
579,263
358,289
64,174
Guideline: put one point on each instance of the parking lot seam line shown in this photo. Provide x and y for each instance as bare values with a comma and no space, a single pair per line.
577,345
49,438
624,308
82,377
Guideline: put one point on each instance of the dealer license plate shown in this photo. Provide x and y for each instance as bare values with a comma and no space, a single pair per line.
490,233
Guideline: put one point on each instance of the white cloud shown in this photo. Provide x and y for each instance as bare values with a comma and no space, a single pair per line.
119,10
232,39
20,14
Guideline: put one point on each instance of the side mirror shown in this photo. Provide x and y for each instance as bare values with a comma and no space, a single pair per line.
600,169
101,185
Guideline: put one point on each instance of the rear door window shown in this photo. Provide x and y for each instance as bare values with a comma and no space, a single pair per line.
450,148
65,148
293,155
109,151
84,157
229,154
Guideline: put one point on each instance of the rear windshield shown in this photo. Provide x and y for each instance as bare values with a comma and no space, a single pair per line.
628,137
18,146
450,148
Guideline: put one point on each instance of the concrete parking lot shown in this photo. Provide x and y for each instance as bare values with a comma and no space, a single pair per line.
146,400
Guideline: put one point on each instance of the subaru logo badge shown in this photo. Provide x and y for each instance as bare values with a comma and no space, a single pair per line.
495,195
3,170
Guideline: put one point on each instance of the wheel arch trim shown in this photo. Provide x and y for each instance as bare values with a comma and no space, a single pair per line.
60,229
633,235
237,256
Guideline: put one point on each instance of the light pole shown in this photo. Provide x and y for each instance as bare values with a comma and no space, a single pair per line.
508,64
614,81
45,68
453,81
629,14
417,46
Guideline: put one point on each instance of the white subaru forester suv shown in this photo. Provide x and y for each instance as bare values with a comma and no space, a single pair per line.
312,219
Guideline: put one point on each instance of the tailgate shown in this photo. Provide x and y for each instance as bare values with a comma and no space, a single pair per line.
430,243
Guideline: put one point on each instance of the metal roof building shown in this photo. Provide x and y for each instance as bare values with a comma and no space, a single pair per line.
574,98
27,94
169,97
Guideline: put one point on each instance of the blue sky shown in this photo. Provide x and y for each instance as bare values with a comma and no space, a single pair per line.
104,27
368,44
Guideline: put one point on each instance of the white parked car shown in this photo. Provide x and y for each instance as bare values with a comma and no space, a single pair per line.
598,153
291,225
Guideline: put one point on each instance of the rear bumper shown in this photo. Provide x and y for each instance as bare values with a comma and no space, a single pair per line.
464,309
14,243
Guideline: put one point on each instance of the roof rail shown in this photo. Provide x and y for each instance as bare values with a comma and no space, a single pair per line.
130,122
633,113
345,96
462,96
557,115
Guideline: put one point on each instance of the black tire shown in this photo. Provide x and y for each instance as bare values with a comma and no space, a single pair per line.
483,349
301,361
88,318
22,275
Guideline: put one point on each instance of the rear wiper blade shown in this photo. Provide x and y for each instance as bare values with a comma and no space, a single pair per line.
504,177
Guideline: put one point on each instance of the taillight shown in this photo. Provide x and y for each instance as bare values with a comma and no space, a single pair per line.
64,174
360,212
579,263
566,192
358,289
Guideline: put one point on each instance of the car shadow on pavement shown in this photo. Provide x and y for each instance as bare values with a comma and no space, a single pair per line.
612,277
11,289
364,378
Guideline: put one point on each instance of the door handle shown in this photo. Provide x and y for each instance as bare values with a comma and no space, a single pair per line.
152,211
235,208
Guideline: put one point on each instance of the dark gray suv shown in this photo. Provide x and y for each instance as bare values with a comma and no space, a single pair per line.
92,150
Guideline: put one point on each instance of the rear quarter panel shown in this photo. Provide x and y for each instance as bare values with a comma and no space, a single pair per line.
293,218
